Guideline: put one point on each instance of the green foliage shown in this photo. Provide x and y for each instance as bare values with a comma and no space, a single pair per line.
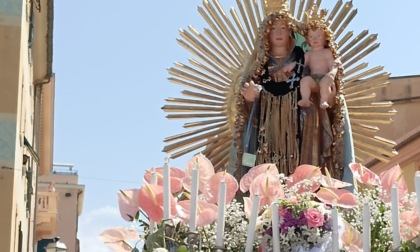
409,246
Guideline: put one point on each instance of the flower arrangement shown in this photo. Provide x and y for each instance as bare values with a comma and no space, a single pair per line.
302,223
375,191
303,202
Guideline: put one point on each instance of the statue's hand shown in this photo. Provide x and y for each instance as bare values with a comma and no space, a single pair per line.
250,91
288,69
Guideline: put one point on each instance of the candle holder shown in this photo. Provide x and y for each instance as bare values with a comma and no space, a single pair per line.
194,241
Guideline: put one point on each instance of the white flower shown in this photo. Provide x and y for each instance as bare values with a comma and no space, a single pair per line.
160,250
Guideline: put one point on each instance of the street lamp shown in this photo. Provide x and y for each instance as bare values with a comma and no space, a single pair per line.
56,246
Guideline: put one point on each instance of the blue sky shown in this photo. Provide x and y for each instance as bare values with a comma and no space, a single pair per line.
110,61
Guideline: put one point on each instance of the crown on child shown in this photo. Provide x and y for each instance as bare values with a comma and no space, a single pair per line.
316,20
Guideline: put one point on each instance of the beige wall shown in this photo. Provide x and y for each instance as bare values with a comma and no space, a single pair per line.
9,68
11,179
70,203
404,92
17,180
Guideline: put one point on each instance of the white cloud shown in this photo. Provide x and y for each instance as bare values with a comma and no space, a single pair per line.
91,225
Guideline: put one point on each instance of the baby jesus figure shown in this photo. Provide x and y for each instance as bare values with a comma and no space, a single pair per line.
320,63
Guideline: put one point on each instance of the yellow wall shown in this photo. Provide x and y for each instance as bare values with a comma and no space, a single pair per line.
16,110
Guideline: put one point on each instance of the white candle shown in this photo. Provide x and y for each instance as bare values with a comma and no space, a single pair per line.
395,217
417,185
252,223
166,190
194,198
335,237
153,181
221,215
275,225
366,225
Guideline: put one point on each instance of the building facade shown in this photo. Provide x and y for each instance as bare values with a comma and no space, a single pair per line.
404,93
59,217
25,118
26,132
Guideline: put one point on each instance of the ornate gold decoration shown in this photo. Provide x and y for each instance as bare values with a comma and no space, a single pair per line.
219,53
316,20
272,6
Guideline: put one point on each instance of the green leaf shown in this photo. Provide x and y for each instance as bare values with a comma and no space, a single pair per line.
156,240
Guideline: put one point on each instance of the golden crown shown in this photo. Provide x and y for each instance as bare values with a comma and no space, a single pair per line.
271,6
316,20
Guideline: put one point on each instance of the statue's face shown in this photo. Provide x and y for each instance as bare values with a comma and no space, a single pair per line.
316,38
279,34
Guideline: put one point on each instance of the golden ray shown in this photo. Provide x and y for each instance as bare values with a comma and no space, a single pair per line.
348,20
242,31
193,132
190,101
353,42
362,55
195,78
362,44
334,11
363,74
341,15
241,47
344,39
208,70
231,42
203,123
202,96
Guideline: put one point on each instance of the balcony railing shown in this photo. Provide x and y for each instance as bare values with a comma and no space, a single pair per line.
46,215
47,202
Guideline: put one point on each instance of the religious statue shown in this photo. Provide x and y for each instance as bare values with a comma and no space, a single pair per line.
278,130
249,76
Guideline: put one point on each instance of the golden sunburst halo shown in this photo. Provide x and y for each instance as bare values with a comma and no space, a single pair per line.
219,54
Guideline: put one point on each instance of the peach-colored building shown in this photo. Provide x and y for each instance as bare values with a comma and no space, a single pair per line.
404,92
26,134
26,115
65,197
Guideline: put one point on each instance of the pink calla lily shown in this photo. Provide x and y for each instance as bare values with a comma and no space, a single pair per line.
364,175
305,172
388,178
151,202
177,175
332,182
328,181
247,179
352,239
128,203
116,238
206,212
342,197
205,172
409,225
211,190
268,187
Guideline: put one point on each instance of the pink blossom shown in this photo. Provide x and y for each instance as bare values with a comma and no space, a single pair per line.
314,218
364,175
